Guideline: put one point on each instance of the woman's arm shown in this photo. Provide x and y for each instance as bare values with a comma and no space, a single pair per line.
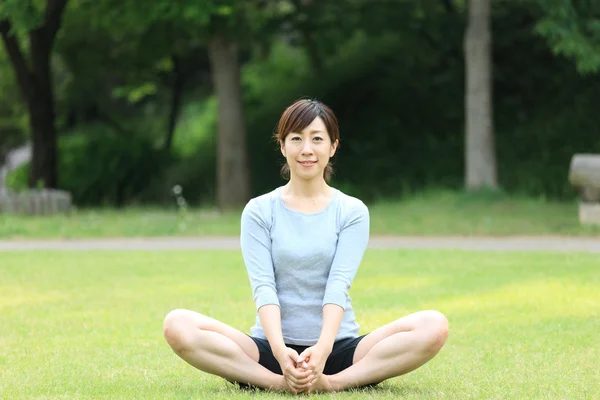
256,250
255,241
270,320
352,243
332,319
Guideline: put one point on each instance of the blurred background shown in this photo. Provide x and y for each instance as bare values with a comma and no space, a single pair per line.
121,103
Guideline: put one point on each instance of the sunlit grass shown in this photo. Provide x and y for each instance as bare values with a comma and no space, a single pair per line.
88,324
430,213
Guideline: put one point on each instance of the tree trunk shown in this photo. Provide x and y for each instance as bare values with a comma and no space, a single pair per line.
35,83
480,153
233,187
176,95
307,27
44,139
312,47
43,169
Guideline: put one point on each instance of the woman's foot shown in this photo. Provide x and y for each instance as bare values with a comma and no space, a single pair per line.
321,385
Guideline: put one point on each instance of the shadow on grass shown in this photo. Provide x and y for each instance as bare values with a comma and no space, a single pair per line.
397,389
384,390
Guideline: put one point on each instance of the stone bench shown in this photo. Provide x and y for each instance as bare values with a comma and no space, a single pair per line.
35,202
584,175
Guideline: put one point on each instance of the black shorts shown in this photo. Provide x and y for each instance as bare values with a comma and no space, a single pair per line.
340,358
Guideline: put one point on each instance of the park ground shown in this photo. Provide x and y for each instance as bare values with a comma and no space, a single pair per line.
518,281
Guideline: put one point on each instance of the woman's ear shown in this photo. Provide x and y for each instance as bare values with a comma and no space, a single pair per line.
282,147
333,148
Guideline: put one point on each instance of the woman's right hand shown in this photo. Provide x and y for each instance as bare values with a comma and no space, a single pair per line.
298,380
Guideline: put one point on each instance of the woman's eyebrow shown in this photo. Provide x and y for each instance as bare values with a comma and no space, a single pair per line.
311,132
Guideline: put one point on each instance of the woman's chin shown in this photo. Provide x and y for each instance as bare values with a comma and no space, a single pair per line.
306,176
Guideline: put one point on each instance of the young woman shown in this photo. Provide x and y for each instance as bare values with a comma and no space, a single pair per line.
302,244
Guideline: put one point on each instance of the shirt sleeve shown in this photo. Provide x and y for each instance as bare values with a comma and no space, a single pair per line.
352,243
256,251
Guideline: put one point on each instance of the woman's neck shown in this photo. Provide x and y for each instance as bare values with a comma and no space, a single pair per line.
307,189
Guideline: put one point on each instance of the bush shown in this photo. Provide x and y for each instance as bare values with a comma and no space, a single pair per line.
101,167
17,178
195,174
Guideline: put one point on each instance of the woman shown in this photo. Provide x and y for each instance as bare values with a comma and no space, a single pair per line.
302,244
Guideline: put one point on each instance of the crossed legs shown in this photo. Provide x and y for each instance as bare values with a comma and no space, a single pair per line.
218,349
392,350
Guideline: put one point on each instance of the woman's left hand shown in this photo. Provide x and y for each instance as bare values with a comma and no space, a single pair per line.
314,358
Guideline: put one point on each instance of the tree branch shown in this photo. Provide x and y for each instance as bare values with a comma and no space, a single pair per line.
448,6
13,49
53,16
41,41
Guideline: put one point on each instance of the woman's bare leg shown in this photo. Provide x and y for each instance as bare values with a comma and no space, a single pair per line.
392,350
218,349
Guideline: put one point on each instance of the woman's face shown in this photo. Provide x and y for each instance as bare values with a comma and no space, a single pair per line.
308,152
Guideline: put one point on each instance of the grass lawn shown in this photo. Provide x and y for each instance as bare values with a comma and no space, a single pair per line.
429,213
88,325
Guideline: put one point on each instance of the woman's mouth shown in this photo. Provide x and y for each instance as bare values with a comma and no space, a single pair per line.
307,163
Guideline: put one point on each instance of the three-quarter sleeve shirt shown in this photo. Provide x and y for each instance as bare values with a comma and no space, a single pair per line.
301,262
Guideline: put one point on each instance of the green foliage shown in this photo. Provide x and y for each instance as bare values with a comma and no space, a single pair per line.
17,178
396,88
194,157
572,29
24,15
13,117
108,168
195,173
401,112
136,93
239,19
196,128
101,167
365,68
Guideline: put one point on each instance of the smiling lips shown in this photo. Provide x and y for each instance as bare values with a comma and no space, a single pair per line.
307,163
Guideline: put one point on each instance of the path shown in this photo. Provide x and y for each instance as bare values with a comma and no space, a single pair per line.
512,243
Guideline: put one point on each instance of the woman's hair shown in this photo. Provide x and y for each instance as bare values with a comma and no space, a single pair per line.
297,117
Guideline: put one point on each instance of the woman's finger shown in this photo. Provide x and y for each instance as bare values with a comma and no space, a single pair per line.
298,381
303,381
297,387
299,374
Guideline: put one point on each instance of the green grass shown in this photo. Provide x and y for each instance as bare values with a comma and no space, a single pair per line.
88,324
430,213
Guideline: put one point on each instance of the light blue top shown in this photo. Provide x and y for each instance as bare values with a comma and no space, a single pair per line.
301,262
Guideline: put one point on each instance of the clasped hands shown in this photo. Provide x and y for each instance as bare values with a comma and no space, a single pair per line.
302,371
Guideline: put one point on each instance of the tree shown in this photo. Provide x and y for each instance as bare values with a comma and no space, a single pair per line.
13,121
34,76
480,153
132,64
224,28
229,28
572,29
233,186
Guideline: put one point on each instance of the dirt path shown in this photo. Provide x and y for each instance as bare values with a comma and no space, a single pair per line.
513,243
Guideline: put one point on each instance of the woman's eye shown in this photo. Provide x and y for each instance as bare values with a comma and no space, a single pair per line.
295,138
318,138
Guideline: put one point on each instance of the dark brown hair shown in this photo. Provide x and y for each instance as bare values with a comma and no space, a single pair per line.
297,117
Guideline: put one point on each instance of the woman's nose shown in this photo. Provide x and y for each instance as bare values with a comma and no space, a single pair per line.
307,149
